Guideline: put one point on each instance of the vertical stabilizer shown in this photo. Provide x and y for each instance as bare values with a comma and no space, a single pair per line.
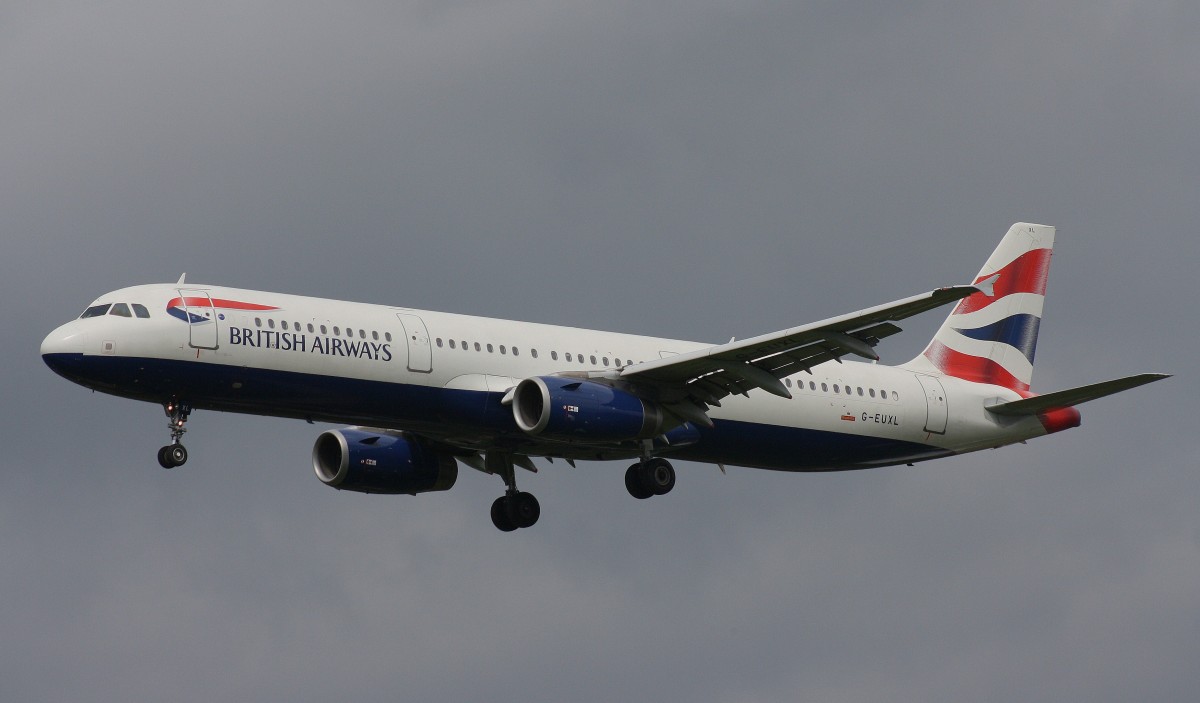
991,336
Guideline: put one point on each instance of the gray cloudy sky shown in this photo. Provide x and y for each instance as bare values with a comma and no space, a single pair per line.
690,169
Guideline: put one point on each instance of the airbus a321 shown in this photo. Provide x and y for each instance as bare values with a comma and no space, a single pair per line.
425,391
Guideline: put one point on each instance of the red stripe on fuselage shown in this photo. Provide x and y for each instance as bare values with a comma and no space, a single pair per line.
1025,274
195,302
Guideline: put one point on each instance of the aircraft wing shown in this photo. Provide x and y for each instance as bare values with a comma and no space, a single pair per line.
689,383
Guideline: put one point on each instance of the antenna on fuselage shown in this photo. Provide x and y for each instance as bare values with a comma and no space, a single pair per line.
181,280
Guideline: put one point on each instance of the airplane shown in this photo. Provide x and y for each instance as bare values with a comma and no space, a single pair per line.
422,391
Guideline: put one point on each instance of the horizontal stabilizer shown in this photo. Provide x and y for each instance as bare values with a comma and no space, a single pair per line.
1074,396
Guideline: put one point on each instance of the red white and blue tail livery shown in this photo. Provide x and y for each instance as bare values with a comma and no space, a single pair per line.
992,334
424,392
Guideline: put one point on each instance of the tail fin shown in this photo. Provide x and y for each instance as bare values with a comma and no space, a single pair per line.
990,337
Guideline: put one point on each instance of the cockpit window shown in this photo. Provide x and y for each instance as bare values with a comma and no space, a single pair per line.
96,310
140,310
120,310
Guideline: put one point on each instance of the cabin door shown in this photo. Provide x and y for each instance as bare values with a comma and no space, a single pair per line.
935,403
420,355
202,319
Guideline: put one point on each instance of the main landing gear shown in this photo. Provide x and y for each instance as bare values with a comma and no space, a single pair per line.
515,508
174,454
650,477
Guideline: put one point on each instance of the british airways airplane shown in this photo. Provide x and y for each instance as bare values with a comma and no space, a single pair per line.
423,391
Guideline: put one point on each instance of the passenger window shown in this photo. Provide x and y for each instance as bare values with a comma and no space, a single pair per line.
871,391
593,358
836,388
336,330
271,322
824,388
604,361
324,329
362,334
349,332
502,349
388,336
258,322
554,355
515,352
580,357
489,348
788,381
567,356
477,347
310,328
96,311
120,310
533,352
463,344
451,344
895,395
860,391
140,310
375,336
439,342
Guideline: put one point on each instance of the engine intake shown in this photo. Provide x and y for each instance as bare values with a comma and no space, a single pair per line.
569,409
351,459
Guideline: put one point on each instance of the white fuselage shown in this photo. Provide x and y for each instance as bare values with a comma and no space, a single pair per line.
444,376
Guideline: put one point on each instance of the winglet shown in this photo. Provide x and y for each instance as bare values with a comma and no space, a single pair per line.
182,279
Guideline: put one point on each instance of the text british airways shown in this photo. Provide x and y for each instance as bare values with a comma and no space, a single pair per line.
297,342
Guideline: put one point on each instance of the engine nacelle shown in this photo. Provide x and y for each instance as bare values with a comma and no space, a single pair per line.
570,409
352,459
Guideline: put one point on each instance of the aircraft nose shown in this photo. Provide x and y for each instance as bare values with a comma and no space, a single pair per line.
63,348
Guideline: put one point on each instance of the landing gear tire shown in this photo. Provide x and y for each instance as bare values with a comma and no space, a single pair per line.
634,484
652,477
500,516
524,509
172,455
658,475
515,510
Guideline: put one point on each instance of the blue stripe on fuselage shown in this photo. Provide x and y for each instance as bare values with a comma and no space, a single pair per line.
442,412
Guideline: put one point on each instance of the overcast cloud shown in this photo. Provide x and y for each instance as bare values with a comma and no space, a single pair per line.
687,169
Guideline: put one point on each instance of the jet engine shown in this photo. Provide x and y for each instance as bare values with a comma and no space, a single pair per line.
356,459
567,409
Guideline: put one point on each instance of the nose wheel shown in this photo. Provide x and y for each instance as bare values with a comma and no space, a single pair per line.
175,454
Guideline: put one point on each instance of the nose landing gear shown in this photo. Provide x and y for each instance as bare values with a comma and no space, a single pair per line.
175,454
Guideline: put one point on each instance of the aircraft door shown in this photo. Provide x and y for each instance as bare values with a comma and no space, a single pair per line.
202,320
420,355
935,403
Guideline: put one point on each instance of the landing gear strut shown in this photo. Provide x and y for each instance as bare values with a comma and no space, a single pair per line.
650,477
175,454
515,508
